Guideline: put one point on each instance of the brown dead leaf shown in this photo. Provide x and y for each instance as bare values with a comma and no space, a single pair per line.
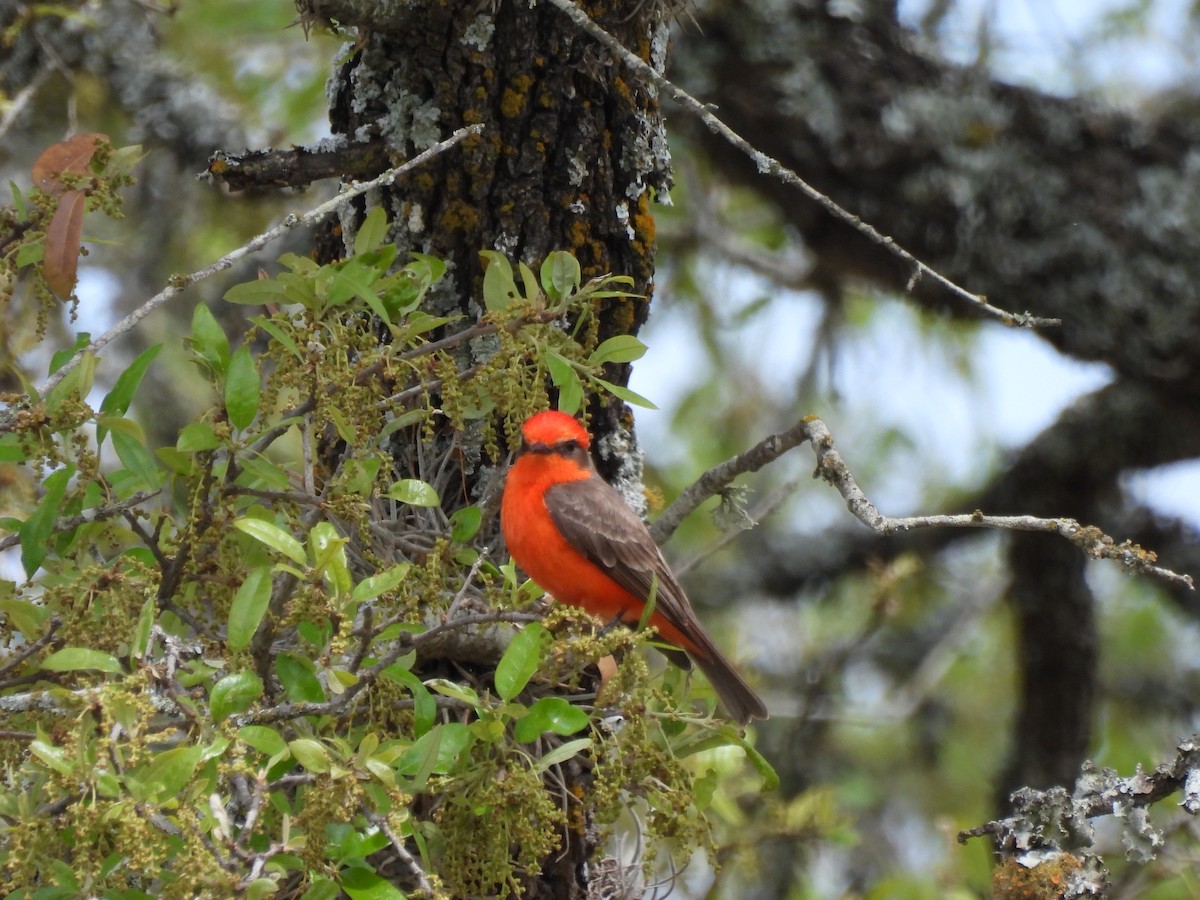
60,256
71,156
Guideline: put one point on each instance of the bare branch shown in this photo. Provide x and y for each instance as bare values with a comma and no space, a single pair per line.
718,478
832,468
411,867
768,165
298,166
1094,542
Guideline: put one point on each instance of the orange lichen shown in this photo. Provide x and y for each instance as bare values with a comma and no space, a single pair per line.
516,96
460,216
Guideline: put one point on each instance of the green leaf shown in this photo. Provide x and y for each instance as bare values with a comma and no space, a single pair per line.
170,771
361,883
234,694
424,706
453,690
465,522
263,739
137,460
550,714
562,754
310,754
196,436
11,449
285,340
436,753
35,531
116,402
414,492
499,289
358,475
29,618
625,394
208,340
242,388
62,357
521,660
322,888
274,537
380,583
769,776
560,274
300,682
529,282
141,631
566,379
372,231
329,557
264,474
54,757
71,659
257,293
621,348
249,606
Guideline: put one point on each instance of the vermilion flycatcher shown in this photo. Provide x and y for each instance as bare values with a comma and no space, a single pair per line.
575,536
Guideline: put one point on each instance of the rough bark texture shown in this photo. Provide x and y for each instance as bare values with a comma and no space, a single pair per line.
572,154
1043,204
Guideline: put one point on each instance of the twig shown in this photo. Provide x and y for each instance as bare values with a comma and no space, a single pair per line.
1088,538
768,165
768,506
403,644
832,468
411,867
31,649
95,515
179,283
22,99
716,479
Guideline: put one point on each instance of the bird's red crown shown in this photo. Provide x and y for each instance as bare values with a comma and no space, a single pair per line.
552,427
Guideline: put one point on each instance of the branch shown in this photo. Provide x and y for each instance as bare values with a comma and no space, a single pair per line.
298,166
1043,816
33,648
832,468
1090,539
404,642
179,283
94,515
768,165
412,868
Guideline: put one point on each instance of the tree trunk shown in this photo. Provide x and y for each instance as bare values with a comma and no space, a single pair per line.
571,155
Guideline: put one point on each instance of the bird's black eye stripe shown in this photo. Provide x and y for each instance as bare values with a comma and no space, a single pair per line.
568,446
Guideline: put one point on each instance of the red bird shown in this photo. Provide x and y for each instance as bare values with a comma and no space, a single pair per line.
575,536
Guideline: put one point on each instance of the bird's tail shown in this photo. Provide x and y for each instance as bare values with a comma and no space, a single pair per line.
739,698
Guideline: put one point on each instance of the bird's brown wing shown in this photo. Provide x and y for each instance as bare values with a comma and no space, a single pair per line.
598,523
